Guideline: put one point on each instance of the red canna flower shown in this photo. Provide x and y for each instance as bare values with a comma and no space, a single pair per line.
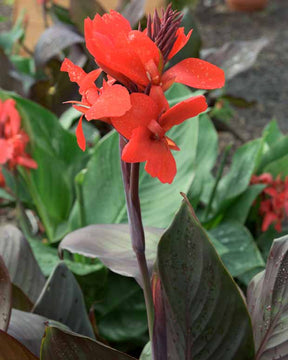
13,139
137,58
146,124
274,200
96,104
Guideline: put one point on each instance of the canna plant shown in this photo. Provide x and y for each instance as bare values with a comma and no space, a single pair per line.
195,310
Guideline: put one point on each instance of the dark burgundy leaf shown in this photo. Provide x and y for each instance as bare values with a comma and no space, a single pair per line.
268,304
11,349
5,296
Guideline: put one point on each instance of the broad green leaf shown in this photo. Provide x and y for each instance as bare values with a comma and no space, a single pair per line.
238,178
241,206
267,302
61,300
146,353
23,269
278,167
103,193
206,156
59,160
112,245
206,316
121,313
79,11
272,133
13,349
243,254
47,257
63,345
5,296
276,151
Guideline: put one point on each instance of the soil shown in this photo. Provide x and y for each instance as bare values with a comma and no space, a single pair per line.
266,82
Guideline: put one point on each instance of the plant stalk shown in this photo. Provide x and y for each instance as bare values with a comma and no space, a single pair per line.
130,175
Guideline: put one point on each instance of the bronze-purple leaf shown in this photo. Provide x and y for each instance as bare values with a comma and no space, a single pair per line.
5,296
267,300
112,245
63,345
11,349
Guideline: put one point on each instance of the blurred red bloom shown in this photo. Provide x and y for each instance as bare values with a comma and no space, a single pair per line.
96,104
274,200
2,179
13,139
146,124
137,58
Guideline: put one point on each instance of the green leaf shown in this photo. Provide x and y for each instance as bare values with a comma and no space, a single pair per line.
240,207
206,316
272,133
63,345
121,313
62,300
206,156
276,151
243,254
238,178
13,349
278,167
267,302
22,266
5,296
59,159
146,353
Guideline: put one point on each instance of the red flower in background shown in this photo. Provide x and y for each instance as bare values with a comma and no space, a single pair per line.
2,179
13,139
146,124
135,57
274,200
96,104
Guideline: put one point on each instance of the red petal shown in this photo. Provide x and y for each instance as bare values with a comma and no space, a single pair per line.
157,94
146,50
120,62
143,110
180,42
183,111
76,73
27,162
114,101
268,220
195,73
80,135
6,151
160,162
112,24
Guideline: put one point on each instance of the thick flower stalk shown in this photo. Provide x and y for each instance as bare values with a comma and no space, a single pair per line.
273,200
132,100
13,140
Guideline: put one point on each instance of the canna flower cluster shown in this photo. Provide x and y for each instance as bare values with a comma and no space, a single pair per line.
132,97
13,140
274,200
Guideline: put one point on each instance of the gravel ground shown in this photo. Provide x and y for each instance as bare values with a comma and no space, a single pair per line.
267,82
